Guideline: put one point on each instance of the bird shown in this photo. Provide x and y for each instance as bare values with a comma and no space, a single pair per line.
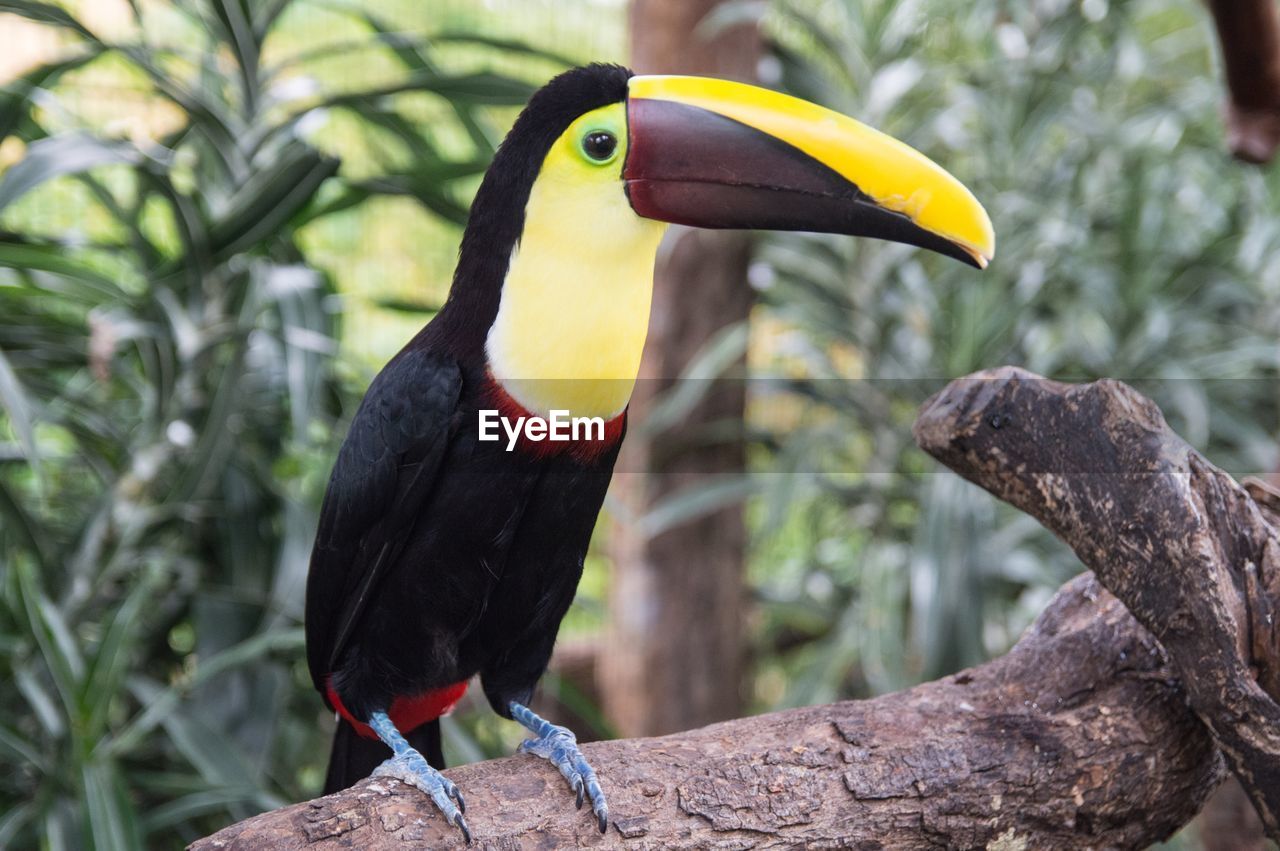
442,553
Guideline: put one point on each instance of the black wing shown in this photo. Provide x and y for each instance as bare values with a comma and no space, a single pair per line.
384,474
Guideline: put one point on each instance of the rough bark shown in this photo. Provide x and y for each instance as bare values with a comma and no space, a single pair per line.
1190,552
1249,33
1078,738
683,587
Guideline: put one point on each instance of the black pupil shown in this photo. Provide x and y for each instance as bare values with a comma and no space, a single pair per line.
599,145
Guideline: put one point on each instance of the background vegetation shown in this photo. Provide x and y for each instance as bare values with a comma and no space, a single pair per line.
1129,246
219,217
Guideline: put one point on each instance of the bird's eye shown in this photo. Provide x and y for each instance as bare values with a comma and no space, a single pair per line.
599,145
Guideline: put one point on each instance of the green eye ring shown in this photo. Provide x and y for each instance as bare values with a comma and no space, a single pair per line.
600,146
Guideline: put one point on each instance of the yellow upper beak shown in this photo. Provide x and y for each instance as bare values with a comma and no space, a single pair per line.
870,169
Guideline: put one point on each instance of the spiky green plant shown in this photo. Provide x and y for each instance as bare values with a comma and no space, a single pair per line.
168,399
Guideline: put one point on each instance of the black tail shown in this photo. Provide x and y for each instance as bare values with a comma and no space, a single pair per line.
354,757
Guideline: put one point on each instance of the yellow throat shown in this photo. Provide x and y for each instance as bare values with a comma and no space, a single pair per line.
574,310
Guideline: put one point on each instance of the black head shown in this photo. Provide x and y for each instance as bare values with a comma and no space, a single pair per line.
497,213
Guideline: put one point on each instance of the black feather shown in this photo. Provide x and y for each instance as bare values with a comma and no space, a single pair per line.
385,468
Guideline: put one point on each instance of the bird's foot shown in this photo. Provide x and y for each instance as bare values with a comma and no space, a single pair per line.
559,746
409,766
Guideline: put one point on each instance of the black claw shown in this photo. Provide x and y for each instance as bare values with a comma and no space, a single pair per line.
461,824
457,796
579,786
603,819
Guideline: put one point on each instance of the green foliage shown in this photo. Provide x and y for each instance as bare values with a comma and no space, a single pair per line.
1129,246
166,354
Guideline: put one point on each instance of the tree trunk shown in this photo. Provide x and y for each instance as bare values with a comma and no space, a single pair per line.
674,654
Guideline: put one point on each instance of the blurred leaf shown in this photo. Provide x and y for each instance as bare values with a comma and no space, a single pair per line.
161,704
58,157
506,45
188,807
15,95
15,820
479,87
88,284
40,702
427,193
110,662
20,751
725,349
261,208
46,13
696,501
112,821
18,408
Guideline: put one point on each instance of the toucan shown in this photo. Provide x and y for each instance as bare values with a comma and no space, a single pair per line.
442,553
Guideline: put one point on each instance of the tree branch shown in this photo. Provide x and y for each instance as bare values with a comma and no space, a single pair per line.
1188,550
1249,33
1078,737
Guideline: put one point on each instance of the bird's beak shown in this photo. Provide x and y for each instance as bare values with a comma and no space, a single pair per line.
715,154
